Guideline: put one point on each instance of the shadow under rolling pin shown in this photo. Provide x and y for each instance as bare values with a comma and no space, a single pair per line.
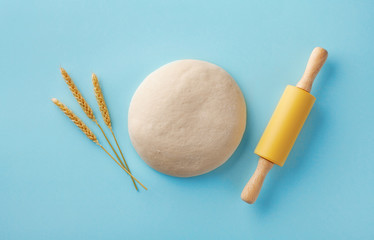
284,125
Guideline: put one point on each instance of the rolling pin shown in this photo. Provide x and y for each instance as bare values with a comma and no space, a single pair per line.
284,125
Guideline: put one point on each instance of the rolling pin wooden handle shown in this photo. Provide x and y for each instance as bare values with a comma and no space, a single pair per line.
253,187
315,63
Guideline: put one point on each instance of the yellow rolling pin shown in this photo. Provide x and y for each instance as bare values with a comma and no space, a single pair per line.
284,126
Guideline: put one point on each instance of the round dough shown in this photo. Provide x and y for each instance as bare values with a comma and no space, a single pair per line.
187,118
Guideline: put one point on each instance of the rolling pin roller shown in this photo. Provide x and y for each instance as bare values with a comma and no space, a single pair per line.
284,125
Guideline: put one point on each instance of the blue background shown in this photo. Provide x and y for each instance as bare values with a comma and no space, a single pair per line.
56,184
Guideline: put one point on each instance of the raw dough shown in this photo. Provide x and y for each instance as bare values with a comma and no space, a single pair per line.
187,118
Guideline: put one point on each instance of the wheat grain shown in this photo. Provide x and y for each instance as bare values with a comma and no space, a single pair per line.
101,101
77,121
76,93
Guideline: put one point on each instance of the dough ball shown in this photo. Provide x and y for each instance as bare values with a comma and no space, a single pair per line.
187,118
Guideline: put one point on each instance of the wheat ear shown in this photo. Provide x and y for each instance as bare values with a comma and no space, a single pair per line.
74,90
82,126
101,101
105,114
77,121
85,106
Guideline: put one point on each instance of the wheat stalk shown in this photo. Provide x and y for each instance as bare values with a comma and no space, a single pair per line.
82,126
105,114
77,121
74,90
123,167
85,106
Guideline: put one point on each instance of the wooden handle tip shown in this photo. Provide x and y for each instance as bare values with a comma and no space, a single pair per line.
320,51
247,198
